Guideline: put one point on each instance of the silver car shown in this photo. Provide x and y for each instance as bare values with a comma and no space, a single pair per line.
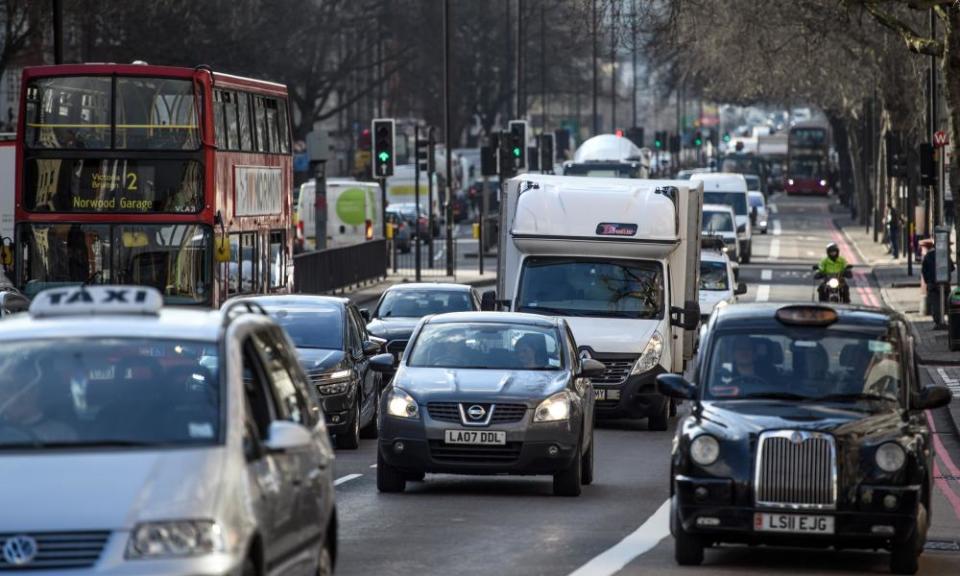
488,393
141,440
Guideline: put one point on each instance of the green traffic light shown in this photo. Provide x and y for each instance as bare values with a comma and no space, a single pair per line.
516,152
658,144
384,156
726,137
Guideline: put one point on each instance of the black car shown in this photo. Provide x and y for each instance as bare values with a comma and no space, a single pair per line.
334,350
403,305
807,429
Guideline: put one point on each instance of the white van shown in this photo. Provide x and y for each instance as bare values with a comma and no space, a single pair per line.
730,189
401,189
619,260
720,220
354,213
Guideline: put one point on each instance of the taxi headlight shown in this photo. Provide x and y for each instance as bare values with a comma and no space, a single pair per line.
175,538
402,405
833,283
890,457
704,450
650,356
553,409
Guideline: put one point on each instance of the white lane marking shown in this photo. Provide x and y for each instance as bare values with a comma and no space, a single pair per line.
774,249
952,383
777,230
766,275
641,541
763,293
373,465
772,208
345,479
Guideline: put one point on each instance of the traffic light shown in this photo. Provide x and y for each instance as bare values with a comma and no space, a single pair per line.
505,161
928,165
423,152
659,139
547,153
518,144
635,135
697,139
383,147
675,143
726,137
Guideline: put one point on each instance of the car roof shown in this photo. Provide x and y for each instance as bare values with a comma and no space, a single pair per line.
494,318
712,256
169,323
752,315
428,286
717,208
296,300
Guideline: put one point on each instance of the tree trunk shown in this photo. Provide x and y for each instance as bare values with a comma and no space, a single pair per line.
855,158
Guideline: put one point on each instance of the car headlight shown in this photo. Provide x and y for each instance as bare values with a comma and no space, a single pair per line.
553,409
890,457
330,389
790,181
704,450
336,382
175,538
650,356
833,283
823,182
402,405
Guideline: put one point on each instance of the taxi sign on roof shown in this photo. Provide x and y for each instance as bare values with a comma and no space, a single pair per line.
96,300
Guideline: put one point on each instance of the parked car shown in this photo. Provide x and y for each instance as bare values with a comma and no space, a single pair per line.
488,393
402,306
758,210
334,350
807,429
130,443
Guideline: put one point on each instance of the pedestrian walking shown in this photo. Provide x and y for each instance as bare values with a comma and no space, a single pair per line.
893,226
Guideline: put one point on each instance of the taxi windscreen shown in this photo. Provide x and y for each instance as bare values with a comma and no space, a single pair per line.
101,392
804,364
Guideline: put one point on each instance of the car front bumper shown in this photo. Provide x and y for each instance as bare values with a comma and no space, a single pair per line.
638,397
531,448
716,515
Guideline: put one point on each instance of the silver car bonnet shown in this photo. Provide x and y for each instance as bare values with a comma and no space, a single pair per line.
451,384
107,490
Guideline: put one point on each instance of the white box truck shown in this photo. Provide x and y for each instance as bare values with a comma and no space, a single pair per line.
354,213
619,259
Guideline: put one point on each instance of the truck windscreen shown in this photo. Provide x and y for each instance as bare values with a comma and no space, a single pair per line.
591,287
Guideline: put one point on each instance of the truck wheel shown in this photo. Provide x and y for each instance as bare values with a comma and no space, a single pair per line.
567,482
661,420
389,479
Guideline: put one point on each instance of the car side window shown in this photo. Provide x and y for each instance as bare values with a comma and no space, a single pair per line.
308,401
259,399
290,405
353,332
572,352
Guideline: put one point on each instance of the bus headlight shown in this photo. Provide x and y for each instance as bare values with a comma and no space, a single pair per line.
790,181
650,356
823,182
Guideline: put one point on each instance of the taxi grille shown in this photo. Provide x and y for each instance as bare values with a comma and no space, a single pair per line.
502,413
615,373
464,453
58,550
796,469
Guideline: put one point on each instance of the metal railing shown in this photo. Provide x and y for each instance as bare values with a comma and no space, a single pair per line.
334,269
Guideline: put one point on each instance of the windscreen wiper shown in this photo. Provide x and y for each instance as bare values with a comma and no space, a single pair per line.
854,396
772,396
549,310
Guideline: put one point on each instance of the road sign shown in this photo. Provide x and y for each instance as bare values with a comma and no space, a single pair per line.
940,139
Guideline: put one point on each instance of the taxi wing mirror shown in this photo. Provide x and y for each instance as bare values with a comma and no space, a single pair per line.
283,436
221,250
933,397
382,363
675,386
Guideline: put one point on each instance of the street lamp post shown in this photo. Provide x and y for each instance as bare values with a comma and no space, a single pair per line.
448,136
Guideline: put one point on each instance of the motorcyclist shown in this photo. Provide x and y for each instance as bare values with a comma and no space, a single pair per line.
833,266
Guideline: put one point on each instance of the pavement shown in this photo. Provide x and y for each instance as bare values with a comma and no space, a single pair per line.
902,292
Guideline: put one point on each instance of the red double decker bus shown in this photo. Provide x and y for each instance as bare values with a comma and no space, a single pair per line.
808,160
175,178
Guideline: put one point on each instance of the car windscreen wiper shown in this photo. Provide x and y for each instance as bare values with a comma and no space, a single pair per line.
771,396
549,310
854,396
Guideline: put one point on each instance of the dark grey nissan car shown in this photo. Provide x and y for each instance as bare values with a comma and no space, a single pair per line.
488,393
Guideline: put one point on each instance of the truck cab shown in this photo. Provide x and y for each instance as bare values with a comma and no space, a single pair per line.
619,260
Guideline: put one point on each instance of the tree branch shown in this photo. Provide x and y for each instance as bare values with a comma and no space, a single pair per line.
915,42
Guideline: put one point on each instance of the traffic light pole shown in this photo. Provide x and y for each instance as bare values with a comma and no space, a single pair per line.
448,136
430,214
416,203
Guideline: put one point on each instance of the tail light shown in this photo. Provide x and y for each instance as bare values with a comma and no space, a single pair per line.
300,229
369,230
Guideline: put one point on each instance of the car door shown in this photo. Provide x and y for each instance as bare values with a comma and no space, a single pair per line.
305,464
369,382
271,472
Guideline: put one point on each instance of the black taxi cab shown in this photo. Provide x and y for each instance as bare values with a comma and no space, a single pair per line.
807,428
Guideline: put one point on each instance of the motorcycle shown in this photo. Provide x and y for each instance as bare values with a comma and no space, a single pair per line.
834,288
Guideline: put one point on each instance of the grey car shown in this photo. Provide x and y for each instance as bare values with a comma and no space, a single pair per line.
488,393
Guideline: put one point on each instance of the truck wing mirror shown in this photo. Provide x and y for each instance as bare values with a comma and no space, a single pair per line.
687,317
